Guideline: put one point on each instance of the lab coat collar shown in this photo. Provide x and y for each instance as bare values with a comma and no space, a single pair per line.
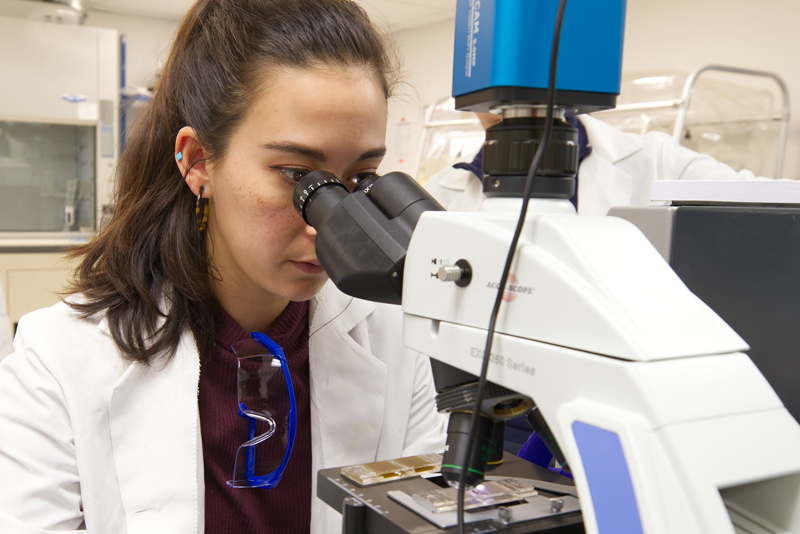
456,179
103,325
602,183
330,304
608,142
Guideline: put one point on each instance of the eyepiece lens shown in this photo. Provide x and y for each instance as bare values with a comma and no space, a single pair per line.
316,195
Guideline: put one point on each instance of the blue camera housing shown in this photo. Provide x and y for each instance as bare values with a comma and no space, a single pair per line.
502,53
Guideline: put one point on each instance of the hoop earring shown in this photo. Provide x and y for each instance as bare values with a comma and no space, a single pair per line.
201,211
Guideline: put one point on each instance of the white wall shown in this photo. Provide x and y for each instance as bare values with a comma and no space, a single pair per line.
148,41
660,35
428,61
688,34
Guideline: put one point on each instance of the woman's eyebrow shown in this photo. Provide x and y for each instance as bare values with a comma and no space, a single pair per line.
374,153
296,148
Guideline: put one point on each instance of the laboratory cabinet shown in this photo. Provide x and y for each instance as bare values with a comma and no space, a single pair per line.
33,280
59,115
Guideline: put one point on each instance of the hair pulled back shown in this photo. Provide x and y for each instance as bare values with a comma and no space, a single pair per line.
148,268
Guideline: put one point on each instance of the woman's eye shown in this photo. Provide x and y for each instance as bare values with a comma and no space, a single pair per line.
295,174
356,179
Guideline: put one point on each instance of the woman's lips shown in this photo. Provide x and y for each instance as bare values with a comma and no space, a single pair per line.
309,267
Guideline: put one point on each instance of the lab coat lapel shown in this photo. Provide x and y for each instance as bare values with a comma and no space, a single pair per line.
602,186
348,385
472,198
455,179
601,183
347,382
608,142
154,431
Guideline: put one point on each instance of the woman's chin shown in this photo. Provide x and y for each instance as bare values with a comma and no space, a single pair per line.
308,289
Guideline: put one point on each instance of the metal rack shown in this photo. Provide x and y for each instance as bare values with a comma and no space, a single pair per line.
455,122
437,125
682,104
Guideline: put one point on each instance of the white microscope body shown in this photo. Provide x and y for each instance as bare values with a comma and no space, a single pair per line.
666,425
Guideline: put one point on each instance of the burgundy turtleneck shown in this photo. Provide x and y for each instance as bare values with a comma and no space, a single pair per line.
287,507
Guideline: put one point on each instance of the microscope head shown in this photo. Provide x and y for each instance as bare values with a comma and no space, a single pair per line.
501,64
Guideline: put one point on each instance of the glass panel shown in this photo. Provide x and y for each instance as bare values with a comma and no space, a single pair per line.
46,177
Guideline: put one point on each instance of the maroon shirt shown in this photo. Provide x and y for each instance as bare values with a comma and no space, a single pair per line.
287,507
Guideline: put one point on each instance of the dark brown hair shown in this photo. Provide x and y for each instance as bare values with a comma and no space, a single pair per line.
148,268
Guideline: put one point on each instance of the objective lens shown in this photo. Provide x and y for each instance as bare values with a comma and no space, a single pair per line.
494,458
454,460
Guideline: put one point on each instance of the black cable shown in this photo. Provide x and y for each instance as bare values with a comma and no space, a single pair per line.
551,97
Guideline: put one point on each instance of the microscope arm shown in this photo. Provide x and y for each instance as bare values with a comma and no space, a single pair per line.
643,385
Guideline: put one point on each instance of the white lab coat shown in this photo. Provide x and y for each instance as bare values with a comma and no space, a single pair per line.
91,441
619,171
6,337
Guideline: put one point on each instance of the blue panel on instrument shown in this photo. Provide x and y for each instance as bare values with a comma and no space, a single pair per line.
610,485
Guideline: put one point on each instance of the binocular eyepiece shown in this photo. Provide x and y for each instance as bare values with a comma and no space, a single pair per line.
363,236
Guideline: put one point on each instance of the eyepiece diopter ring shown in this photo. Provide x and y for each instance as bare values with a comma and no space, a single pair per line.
311,184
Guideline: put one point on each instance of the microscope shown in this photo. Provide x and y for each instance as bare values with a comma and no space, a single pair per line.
637,386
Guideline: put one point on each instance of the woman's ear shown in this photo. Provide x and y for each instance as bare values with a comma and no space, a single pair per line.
191,160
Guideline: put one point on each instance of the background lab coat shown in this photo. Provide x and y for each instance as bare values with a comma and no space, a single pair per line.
6,347
88,440
619,171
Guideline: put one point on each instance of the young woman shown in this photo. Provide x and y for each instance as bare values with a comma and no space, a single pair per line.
119,408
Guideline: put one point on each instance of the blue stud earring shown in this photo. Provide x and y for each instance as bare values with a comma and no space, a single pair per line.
179,156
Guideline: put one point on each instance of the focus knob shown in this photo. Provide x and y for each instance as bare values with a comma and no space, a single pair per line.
450,273
460,273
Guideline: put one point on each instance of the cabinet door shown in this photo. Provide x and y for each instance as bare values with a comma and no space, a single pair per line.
31,290
33,280
51,71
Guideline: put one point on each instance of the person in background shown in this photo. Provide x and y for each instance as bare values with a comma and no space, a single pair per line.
121,409
616,168
6,337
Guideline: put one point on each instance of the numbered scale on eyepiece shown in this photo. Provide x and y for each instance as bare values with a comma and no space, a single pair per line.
313,183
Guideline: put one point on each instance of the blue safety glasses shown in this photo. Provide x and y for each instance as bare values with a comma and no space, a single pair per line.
266,401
